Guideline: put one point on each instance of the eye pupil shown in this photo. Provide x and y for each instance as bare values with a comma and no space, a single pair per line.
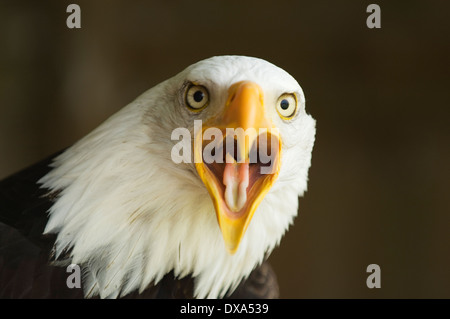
198,96
284,104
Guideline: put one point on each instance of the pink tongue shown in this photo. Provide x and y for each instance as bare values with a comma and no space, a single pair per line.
235,179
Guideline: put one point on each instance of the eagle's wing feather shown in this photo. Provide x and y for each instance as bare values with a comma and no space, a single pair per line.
261,284
25,271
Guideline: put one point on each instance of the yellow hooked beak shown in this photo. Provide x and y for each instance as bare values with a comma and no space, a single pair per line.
247,160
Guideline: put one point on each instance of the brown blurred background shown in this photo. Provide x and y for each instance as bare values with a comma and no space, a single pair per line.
379,177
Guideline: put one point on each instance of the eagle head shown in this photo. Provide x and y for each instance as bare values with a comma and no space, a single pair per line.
200,175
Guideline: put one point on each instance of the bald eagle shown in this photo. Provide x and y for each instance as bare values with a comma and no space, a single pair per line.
145,212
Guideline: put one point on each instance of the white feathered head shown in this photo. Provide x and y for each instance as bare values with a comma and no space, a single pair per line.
170,183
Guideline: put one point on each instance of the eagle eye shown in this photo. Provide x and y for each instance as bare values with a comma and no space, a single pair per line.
287,106
197,97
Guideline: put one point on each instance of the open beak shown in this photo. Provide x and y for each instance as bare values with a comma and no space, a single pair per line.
246,160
